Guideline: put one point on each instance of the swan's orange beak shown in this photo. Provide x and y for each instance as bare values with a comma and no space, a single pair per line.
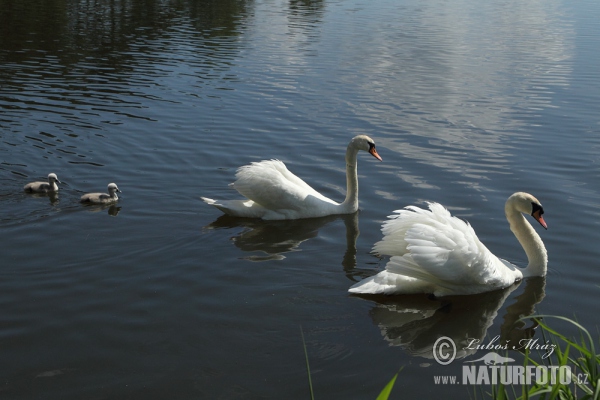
374,153
538,217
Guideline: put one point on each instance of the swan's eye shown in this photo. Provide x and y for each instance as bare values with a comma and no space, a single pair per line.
371,145
535,207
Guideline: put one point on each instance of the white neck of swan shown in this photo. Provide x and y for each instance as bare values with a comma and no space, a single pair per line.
530,240
350,203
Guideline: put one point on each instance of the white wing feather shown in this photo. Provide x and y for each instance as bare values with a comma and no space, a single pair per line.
432,250
270,184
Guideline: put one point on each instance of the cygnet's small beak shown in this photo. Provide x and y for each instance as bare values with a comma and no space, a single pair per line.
374,153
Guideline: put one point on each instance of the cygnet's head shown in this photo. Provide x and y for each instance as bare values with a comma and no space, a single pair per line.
112,188
53,178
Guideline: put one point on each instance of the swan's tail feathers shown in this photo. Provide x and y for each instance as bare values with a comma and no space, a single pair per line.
376,284
216,203
237,208
389,283
401,276
208,201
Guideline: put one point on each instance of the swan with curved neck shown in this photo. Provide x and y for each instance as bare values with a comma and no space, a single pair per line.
273,192
434,252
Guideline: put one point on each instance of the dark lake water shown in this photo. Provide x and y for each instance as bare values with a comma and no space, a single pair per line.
161,297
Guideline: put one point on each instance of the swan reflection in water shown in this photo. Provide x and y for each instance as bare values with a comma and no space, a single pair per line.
112,209
415,322
272,239
52,196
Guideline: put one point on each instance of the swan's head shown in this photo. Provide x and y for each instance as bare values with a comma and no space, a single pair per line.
53,178
112,187
527,204
363,142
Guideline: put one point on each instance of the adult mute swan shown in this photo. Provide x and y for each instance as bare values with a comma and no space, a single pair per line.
434,252
43,187
102,198
273,192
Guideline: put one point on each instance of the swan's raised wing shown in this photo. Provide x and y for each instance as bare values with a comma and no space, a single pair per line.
270,184
395,228
441,249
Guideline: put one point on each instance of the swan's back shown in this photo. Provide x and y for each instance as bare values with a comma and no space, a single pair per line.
270,169
270,184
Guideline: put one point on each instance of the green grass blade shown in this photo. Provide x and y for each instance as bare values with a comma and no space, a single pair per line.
581,328
385,393
312,395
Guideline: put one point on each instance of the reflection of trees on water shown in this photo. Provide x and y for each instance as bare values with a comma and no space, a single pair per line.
309,5
66,65
219,18
83,42
307,10
303,17
107,27
79,67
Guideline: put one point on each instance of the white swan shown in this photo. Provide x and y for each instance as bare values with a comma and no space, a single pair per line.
43,187
102,198
273,192
434,252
